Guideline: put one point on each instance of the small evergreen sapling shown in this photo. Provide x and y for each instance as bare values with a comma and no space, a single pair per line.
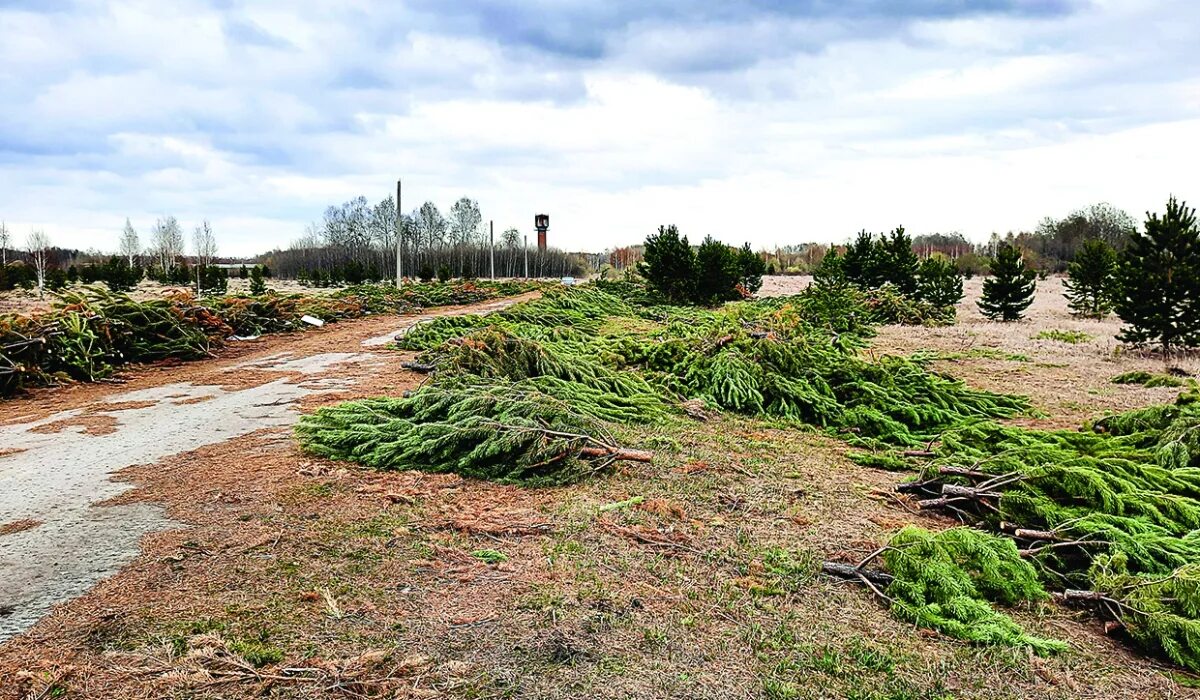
1009,289
258,286
1091,279
938,282
1159,281
898,262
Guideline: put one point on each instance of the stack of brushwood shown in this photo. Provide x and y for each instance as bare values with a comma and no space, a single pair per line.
611,357
1107,518
90,332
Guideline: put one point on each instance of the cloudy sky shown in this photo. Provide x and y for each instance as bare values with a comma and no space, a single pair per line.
762,120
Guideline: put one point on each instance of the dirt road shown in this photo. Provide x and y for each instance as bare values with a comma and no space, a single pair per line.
60,449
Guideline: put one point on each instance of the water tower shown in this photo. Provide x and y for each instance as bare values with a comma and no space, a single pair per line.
541,222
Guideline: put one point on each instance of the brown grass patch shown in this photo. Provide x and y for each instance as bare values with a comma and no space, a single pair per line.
95,424
12,528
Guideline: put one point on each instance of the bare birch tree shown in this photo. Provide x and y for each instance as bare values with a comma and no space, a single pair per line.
5,242
465,219
167,243
204,242
130,245
38,247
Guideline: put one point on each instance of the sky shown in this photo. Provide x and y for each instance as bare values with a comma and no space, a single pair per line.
765,121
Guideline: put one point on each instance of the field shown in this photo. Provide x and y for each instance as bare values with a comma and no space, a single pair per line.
241,566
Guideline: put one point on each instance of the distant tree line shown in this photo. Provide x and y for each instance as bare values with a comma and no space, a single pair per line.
356,242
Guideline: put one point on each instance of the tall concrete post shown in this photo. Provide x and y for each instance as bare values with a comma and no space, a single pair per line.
400,240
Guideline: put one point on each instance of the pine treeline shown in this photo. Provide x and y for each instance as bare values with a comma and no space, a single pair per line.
1091,279
1159,281
1010,288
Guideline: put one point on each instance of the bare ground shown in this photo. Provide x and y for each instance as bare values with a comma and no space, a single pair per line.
296,577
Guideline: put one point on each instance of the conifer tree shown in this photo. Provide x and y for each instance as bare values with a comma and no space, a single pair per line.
716,272
830,272
750,268
1091,278
939,282
669,265
258,286
1009,289
861,263
897,262
1159,281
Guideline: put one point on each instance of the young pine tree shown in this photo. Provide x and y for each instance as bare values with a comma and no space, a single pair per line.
1159,281
861,263
1009,289
750,268
1091,277
669,265
898,262
830,272
258,285
938,282
716,273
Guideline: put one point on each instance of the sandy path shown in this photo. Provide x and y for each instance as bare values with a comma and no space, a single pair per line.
61,448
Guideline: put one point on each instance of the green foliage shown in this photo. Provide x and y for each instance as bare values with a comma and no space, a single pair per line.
498,432
716,273
258,285
1091,279
1114,509
864,262
1009,290
1147,379
711,275
900,264
443,273
1069,337
831,272
792,358
947,580
939,282
750,268
1162,613
669,265
92,331
1159,281
490,556
213,280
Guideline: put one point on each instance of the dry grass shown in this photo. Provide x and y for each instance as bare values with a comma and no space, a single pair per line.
372,584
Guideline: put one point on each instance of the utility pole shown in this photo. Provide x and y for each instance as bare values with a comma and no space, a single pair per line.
399,239
526,256
492,247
